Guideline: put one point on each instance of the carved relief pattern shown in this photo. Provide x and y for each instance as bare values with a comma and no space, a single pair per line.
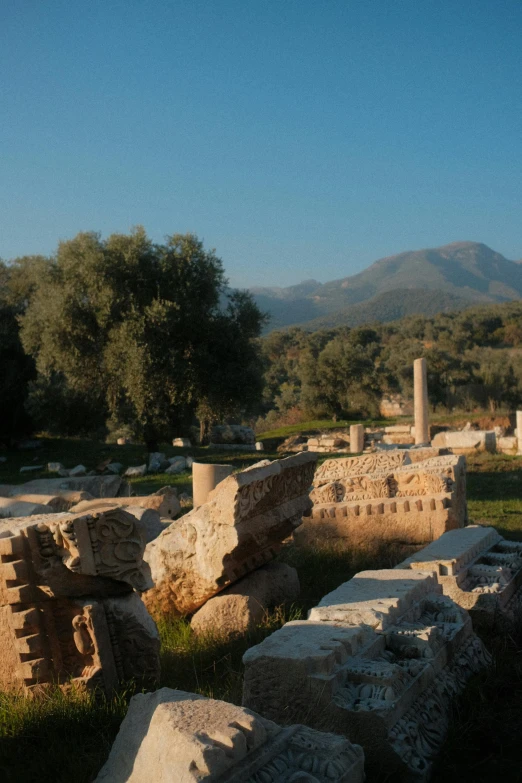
334,469
260,496
118,546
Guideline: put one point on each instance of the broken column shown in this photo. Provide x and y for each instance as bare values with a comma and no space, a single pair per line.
519,432
379,660
68,610
356,438
205,478
478,569
175,737
241,527
420,393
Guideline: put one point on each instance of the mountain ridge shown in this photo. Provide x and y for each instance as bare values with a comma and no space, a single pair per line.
463,273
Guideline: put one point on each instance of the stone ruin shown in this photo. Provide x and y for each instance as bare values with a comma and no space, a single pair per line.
379,660
478,569
241,527
175,737
409,503
69,610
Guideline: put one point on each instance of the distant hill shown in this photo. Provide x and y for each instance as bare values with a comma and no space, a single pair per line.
425,281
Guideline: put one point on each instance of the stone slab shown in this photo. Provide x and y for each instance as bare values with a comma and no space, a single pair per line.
97,486
466,441
176,737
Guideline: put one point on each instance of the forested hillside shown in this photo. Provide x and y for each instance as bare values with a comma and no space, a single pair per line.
474,361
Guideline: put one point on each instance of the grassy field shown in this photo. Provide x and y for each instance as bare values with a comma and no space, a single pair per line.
60,738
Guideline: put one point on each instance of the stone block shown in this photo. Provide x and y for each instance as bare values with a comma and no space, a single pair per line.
96,486
466,441
333,469
175,737
242,606
232,434
398,438
403,429
379,660
95,643
242,526
78,470
507,445
165,501
478,569
182,443
176,465
31,468
58,555
157,462
136,472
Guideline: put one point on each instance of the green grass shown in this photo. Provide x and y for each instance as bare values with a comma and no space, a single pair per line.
58,738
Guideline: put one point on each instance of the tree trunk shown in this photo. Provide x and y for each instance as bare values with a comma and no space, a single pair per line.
204,432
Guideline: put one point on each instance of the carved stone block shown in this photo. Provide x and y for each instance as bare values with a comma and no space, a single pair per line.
379,660
67,554
175,737
241,527
478,569
89,642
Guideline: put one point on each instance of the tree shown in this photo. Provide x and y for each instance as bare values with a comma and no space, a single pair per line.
142,332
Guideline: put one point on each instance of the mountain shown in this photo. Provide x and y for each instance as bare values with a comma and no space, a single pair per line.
420,281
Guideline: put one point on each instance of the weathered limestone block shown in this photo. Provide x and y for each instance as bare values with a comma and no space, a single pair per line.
396,439
175,737
93,642
403,520
379,660
478,569
507,445
242,606
70,555
97,486
165,501
466,441
241,527
13,507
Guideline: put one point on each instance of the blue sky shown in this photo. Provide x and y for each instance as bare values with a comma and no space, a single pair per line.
300,138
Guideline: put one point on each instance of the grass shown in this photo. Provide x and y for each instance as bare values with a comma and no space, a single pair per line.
309,427
57,737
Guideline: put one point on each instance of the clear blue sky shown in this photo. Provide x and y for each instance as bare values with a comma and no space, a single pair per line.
300,138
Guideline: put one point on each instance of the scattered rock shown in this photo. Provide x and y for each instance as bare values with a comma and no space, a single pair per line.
157,462
259,446
115,467
55,467
176,465
140,470
79,470
190,461
186,501
183,443
232,434
122,441
31,468
242,606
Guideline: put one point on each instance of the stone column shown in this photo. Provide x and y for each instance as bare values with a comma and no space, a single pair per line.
356,438
205,478
519,432
420,395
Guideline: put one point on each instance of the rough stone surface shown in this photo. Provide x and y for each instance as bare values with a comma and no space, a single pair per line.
72,554
136,472
176,465
379,660
176,737
242,606
54,467
157,462
96,643
15,507
79,470
241,527
165,501
96,486
31,468
466,441
183,443
478,569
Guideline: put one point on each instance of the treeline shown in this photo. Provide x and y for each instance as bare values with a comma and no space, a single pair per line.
474,361
125,336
